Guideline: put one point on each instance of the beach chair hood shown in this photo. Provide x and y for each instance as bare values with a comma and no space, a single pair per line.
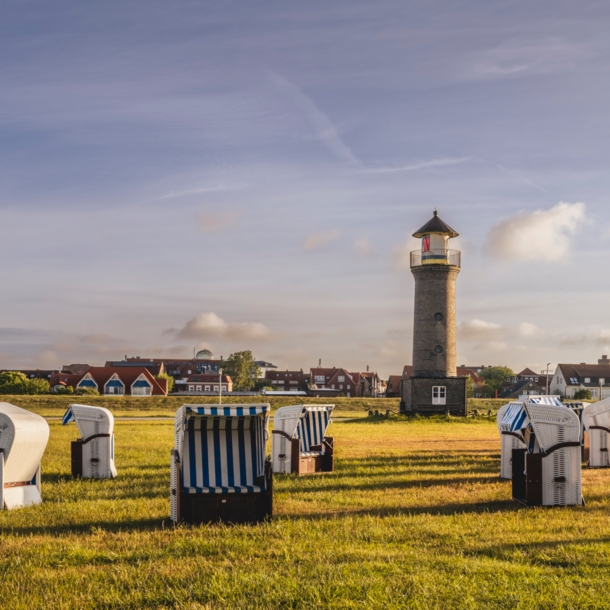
308,423
89,420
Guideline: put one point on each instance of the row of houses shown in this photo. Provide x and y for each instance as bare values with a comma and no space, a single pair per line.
327,382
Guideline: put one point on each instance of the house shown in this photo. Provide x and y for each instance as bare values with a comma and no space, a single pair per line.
393,388
263,367
325,382
208,382
511,385
288,381
521,387
113,381
569,378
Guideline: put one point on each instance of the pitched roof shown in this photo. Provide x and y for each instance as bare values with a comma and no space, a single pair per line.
435,225
527,373
580,372
127,375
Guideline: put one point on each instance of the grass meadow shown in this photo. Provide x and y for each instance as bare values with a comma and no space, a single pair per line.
414,517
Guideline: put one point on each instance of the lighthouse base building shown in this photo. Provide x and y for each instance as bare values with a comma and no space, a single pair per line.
434,386
433,395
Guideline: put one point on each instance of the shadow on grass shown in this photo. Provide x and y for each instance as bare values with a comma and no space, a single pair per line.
91,528
379,486
497,506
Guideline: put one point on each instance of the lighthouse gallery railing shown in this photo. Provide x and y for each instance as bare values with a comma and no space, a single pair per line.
436,257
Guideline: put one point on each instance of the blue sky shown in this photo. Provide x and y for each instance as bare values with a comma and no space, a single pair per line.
247,176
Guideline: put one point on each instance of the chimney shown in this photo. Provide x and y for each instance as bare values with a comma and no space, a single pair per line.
367,368
604,360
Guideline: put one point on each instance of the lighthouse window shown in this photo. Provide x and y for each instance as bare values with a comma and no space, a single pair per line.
439,395
438,317
438,349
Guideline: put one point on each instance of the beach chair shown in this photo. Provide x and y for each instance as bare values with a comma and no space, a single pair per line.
23,440
509,440
219,470
93,454
596,420
300,443
547,472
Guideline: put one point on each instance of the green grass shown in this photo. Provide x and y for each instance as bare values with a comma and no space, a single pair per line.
414,517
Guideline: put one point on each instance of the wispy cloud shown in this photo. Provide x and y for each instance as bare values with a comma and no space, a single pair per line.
323,127
319,240
415,166
209,325
542,235
212,222
521,177
200,190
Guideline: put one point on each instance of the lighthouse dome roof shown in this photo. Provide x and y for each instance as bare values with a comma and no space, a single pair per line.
435,225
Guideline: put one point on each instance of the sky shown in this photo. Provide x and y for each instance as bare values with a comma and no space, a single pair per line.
238,175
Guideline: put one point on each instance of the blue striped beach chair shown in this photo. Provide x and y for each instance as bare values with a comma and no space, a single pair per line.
300,444
219,470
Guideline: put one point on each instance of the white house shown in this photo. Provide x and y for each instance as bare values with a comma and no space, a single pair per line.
569,378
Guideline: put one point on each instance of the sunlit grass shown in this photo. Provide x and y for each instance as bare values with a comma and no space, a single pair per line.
414,516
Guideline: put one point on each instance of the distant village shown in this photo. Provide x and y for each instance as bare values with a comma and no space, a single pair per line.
203,375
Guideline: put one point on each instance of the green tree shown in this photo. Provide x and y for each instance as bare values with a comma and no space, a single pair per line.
38,386
242,369
583,394
86,391
64,389
495,376
170,381
13,382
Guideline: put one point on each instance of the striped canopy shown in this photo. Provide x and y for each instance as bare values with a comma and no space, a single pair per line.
312,426
515,419
68,417
546,400
223,448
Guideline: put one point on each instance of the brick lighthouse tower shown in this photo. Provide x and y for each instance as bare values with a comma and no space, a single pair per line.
433,385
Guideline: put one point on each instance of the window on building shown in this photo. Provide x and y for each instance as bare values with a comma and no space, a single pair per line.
207,388
340,386
199,388
215,388
319,378
332,386
341,378
439,395
587,379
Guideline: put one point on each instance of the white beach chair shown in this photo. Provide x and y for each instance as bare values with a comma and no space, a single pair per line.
219,469
509,440
23,440
300,443
93,454
548,471
596,420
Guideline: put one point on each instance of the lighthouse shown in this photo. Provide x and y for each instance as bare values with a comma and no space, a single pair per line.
433,385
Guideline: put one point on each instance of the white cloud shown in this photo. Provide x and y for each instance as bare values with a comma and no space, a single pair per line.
542,235
319,240
206,325
363,246
212,222
599,337
525,329
477,329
